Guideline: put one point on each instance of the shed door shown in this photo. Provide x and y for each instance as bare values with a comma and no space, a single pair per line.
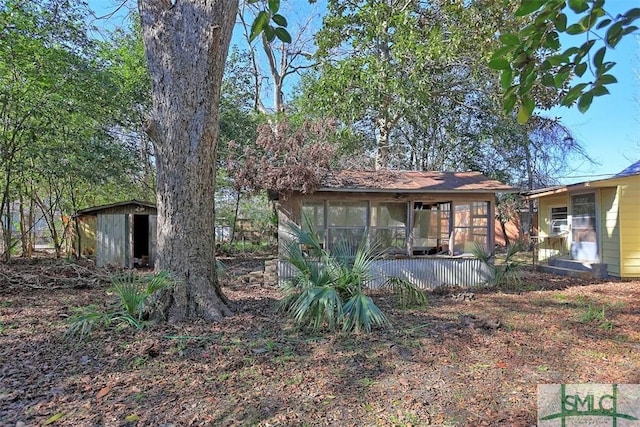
112,240
584,239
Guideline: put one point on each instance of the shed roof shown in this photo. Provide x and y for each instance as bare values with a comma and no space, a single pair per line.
97,209
387,181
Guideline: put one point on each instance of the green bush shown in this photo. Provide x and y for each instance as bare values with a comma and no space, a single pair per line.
328,289
505,274
133,292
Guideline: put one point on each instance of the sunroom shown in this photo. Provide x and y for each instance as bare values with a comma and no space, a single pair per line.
427,223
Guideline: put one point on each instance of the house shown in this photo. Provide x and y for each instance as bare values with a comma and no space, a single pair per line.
120,234
592,226
428,222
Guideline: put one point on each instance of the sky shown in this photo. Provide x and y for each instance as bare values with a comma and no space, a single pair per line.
609,131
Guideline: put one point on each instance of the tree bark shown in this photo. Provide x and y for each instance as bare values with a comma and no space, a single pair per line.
186,44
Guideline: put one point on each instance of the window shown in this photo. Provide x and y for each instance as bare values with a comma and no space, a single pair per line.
583,218
471,226
431,227
389,226
558,224
346,225
313,216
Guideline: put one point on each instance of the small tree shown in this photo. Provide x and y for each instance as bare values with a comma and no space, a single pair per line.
284,159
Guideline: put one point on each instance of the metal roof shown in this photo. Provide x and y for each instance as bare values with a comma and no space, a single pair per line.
133,202
411,182
632,170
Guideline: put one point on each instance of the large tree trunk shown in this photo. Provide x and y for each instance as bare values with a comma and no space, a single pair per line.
186,44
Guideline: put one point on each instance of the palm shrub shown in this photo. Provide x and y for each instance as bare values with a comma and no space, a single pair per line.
328,289
506,273
132,293
406,293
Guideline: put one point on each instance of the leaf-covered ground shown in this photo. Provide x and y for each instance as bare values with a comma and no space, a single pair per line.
466,359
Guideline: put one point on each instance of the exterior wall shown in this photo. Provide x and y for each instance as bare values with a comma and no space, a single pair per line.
87,225
609,234
108,234
425,273
514,232
617,206
113,240
290,207
550,246
629,196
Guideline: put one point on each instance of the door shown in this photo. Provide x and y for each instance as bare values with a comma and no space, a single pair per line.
584,238
112,240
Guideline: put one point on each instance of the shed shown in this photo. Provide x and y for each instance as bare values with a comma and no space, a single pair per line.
121,234
428,222
591,226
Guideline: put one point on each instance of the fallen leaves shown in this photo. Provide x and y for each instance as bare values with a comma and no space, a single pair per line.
438,365
103,392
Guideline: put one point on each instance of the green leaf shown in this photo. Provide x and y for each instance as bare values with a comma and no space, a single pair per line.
279,19
578,6
574,29
603,23
529,6
509,39
547,80
523,116
599,91
561,22
599,57
614,34
560,78
269,33
584,49
506,77
52,419
526,109
580,69
605,67
552,41
283,35
585,102
259,25
274,6
502,51
571,51
631,14
509,103
573,94
606,79
555,60
499,64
